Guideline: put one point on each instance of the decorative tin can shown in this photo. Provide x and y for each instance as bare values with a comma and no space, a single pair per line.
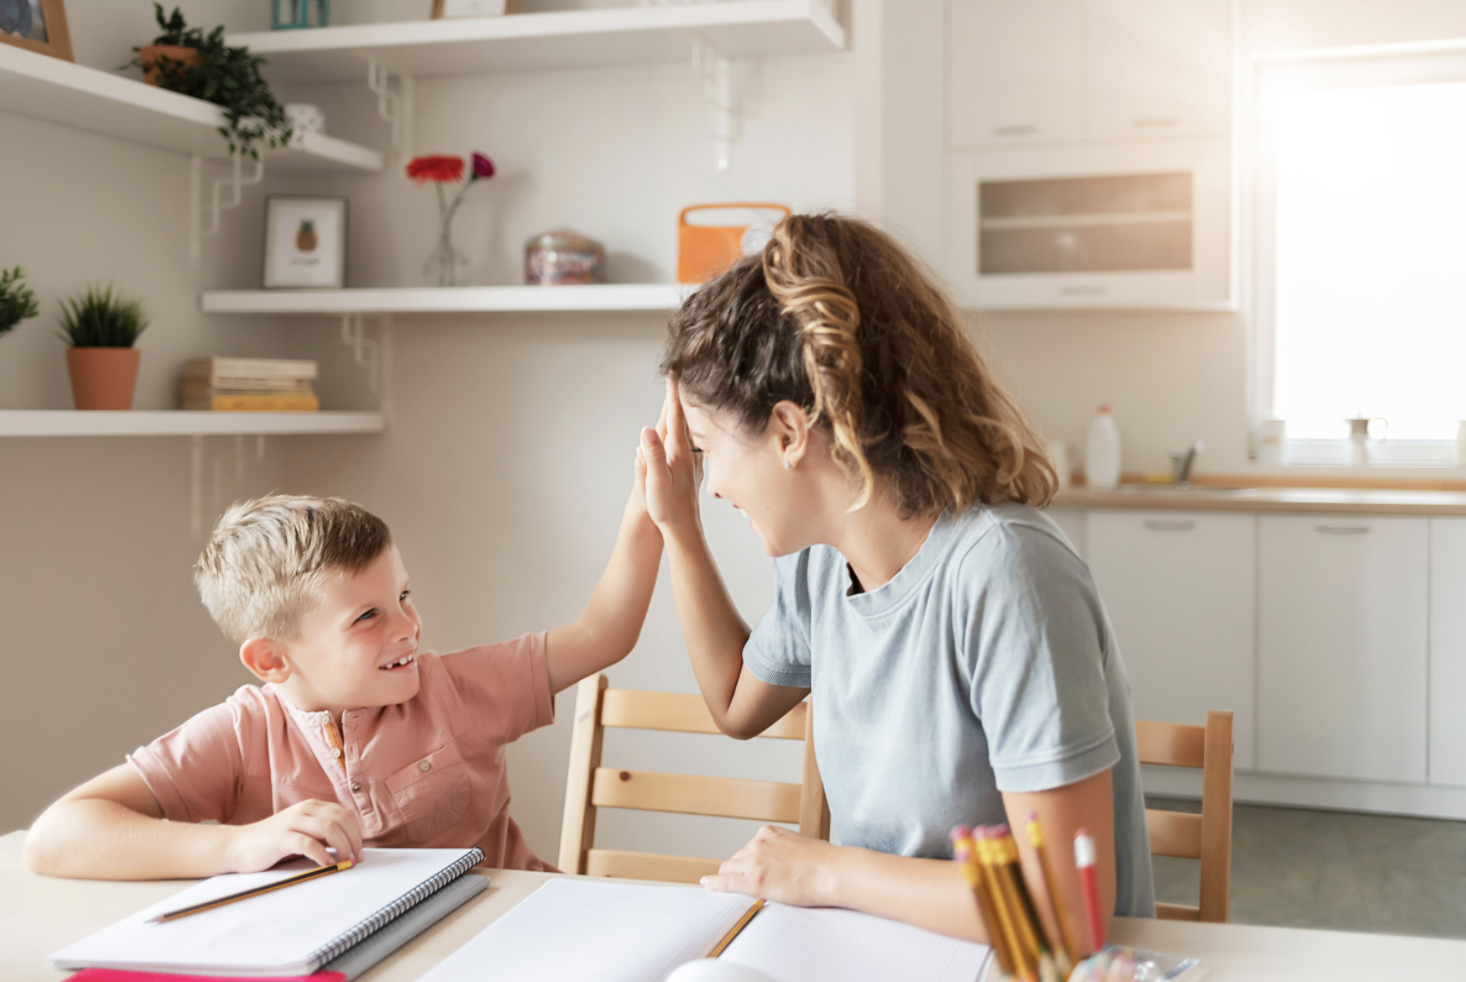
563,256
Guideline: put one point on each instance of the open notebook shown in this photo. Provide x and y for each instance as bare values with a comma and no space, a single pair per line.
293,931
591,931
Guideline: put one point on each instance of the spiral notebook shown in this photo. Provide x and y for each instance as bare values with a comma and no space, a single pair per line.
293,931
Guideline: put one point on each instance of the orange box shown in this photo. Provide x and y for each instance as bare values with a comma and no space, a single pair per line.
704,251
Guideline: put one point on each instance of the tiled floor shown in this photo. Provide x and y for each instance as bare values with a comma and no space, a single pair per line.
1340,870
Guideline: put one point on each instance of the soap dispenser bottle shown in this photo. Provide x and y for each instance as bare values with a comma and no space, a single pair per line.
1102,452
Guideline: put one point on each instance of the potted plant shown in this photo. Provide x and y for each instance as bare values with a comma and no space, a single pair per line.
185,59
17,302
101,328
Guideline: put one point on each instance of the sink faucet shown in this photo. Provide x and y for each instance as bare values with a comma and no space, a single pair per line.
1181,462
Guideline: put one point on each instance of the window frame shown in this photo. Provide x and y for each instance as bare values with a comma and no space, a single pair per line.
1365,65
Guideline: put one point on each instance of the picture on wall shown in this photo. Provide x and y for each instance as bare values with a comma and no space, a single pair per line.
36,25
305,242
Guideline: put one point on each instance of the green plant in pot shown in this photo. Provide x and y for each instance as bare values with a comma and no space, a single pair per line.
185,59
17,302
101,327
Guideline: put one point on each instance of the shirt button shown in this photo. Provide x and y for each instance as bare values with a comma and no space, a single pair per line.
425,765
335,751
356,785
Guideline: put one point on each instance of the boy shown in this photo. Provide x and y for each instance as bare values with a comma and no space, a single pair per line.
356,738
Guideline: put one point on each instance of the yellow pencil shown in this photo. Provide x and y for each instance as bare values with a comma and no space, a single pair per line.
963,850
1066,949
314,874
733,931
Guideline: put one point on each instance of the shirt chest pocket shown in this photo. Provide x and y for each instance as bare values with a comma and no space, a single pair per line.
432,792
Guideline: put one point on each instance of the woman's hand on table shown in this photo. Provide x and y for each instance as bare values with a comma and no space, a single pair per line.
782,866
673,470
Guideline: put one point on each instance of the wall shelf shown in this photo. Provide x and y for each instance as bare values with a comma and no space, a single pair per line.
57,91
562,39
450,300
70,422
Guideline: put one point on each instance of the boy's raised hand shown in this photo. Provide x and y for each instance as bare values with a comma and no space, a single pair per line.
306,829
673,470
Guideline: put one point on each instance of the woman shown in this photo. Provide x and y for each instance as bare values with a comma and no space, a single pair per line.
962,665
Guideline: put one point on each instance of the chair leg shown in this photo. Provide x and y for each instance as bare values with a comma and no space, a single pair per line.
1216,819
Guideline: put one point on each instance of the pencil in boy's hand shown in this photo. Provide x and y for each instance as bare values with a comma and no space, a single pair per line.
312,874
1084,859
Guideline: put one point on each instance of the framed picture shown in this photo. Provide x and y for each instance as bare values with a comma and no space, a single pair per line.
305,242
36,25
471,8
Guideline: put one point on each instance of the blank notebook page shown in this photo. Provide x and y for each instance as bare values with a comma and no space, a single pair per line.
273,934
588,931
822,944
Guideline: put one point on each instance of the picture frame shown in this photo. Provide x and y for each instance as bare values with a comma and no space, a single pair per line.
305,243
448,9
36,25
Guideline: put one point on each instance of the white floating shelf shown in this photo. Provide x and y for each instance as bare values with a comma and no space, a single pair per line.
70,422
73,95
451,300
562,39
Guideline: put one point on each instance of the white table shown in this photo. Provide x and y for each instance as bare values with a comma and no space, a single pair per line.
39,915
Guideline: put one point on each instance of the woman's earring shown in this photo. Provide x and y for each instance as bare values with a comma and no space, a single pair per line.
786,463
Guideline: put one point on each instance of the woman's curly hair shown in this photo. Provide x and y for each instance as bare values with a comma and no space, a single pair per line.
837,318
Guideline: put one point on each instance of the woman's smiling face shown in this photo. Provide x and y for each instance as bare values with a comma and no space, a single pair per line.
748,471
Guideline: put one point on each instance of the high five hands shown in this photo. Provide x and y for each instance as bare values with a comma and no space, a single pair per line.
673,469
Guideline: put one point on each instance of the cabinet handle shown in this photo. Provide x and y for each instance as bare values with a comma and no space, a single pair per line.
1082,291
1341,529
1155,122
1157,525
1015,130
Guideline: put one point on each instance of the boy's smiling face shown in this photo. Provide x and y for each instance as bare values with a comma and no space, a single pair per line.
357,648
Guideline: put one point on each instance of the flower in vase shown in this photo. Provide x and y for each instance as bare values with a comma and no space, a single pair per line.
442,170
437,168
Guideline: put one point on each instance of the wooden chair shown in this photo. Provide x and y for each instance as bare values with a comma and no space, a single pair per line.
1208,836
592,786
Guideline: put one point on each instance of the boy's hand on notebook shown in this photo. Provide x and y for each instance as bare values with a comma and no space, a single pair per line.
304,829
782,866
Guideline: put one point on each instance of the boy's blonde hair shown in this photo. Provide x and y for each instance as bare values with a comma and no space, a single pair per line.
262,570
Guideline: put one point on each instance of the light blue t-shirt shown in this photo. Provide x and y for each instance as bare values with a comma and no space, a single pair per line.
987,664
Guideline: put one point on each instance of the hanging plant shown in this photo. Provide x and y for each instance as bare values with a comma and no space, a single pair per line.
203,66
17,302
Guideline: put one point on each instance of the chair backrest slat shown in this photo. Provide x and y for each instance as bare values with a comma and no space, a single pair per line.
695,794
681,713
648,866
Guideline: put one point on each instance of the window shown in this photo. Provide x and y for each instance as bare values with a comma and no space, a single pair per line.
1360,250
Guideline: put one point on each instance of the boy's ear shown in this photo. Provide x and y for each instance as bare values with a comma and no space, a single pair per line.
265,658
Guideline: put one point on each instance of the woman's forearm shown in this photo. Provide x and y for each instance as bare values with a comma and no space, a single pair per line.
926,893
711,625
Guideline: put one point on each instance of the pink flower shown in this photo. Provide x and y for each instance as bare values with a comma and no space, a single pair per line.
482,167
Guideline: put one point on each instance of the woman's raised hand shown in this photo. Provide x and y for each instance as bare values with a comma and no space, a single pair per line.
673,471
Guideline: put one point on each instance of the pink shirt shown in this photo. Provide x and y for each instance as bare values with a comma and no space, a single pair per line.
428,772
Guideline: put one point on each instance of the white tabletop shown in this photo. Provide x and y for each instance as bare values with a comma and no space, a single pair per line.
39,915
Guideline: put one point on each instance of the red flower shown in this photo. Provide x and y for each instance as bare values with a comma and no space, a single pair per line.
435,168
482,166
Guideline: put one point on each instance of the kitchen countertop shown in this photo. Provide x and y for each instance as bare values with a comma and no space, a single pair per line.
1352,501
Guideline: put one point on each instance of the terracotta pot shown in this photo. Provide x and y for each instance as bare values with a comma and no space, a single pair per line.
149,56
102,378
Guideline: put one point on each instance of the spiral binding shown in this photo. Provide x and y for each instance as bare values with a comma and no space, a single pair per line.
396,909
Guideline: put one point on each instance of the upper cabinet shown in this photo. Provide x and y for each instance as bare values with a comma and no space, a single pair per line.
1157,68
1088,156
1015,72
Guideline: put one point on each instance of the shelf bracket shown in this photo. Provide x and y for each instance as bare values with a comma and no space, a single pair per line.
394,106
235,182
364,349
716,70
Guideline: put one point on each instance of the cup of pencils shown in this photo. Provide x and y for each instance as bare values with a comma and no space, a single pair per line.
1024,947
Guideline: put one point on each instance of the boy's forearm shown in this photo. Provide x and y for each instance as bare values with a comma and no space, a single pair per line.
96,839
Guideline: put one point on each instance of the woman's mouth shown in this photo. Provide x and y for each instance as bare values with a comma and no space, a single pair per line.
406,663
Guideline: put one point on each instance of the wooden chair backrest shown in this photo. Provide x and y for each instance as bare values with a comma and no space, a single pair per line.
591,786
1208,836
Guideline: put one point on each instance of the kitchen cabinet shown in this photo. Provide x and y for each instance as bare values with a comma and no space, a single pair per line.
1448,651
1015,72
1342,646
1157,68
1180,588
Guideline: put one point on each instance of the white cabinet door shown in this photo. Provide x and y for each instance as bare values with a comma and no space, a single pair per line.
1180,591
1341,634
1157,68
1015,72
1448,651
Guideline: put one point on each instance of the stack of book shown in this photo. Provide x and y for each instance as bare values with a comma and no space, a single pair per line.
248,385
